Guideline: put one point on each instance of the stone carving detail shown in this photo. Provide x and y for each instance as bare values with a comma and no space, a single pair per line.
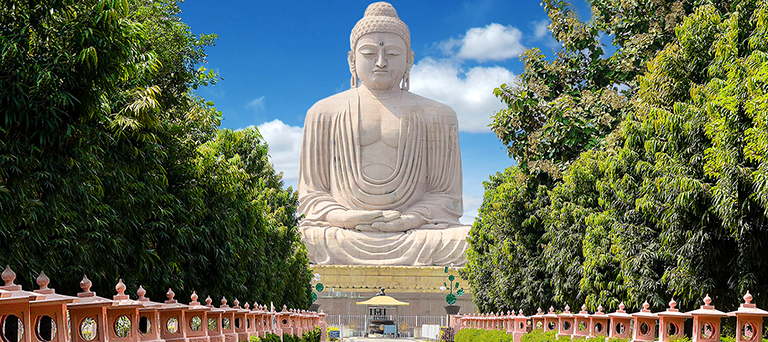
380,175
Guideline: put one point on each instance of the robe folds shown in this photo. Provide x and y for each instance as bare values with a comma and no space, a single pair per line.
426,181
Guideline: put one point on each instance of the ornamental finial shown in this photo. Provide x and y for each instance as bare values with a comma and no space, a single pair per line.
8,275
141,292
86,284
120,287
43,281
170,294
194,298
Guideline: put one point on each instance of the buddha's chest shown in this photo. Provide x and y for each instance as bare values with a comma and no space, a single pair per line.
379,126
379,139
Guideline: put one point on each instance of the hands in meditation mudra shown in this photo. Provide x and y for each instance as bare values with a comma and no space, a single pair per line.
380,174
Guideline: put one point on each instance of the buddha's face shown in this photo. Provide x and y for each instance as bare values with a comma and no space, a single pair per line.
381,60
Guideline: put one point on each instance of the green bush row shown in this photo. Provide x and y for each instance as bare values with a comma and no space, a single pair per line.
537,335
311,336
478,335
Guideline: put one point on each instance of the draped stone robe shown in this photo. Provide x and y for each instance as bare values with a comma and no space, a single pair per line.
426,181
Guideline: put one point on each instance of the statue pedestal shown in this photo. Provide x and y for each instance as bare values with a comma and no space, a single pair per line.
419,285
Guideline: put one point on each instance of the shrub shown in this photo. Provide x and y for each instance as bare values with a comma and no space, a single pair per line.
619,339
312,336
271,338
477,335
538,335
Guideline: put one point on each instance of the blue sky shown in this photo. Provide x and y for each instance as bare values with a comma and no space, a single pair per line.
277,58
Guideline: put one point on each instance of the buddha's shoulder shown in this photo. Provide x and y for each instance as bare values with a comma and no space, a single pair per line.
331,104
429,106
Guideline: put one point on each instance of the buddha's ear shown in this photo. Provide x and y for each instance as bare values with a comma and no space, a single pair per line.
351,61
409,60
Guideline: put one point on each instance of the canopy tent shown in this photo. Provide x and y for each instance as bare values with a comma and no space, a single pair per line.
385,300
379,321
381,299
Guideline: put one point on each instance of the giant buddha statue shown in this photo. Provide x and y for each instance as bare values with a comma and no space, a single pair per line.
380,173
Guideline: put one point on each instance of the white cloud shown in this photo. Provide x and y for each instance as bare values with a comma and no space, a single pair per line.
540,29
543,36
471,206
494,42
257,104
284,148
469,93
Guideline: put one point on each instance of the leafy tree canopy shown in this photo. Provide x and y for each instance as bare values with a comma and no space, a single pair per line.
111,166
667,198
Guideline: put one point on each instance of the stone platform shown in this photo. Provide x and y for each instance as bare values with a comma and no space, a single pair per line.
419,285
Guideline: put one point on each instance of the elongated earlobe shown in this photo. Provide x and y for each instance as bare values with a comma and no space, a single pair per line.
405,84
354,83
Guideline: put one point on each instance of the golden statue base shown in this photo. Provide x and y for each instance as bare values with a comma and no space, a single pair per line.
345,285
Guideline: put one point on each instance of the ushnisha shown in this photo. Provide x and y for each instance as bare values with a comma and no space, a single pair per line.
380,173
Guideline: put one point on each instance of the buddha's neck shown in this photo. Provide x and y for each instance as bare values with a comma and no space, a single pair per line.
380,94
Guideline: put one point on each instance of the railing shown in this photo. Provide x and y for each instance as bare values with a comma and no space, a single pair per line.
349,325
642,326
407,325
47,316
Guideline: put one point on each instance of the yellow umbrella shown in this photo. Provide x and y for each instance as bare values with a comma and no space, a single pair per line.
382,301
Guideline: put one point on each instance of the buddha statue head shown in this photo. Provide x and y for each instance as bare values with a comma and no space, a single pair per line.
380,49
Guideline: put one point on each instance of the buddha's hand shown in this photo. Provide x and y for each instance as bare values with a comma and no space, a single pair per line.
387,216
359,219
400,224
434,226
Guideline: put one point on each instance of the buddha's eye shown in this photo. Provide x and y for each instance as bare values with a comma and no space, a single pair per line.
367,52
394,52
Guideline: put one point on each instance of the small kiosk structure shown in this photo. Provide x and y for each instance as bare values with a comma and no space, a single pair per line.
645,324
671,322
537,320
599,323
749,320
379,321
619,323
706,322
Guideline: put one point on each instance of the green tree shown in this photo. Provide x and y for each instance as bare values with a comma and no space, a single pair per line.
559,109
685,178
111,166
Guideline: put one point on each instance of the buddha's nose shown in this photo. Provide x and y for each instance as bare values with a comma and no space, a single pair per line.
381,62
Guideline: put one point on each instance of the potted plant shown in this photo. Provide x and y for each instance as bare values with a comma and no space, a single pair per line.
319,288
451,309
